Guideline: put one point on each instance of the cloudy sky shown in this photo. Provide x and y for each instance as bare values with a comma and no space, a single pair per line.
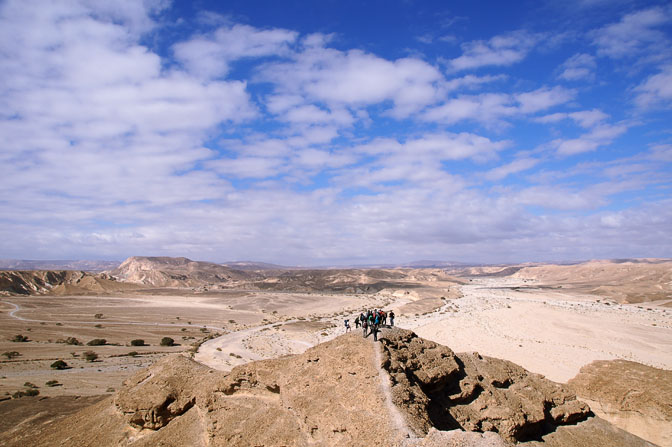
336,132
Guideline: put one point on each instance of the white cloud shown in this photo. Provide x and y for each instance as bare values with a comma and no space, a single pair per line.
355,79
490,108
584,118
505,49
209,56
656,89
636,32
516,166
581,66
600,135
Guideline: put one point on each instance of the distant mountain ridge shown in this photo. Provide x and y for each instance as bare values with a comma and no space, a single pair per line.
80,265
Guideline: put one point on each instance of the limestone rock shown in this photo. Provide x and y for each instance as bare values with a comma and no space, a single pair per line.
632,396
472,392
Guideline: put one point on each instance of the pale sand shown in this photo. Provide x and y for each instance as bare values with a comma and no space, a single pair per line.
548,331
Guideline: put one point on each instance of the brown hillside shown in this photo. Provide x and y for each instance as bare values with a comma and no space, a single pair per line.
36,282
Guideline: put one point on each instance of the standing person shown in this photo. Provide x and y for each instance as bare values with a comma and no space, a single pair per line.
357,322
384,317
391,318
347,326
364,324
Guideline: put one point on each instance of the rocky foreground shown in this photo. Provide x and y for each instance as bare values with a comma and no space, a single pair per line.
403,391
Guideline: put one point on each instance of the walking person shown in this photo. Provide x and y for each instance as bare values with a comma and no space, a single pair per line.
347,326
364,324
391,315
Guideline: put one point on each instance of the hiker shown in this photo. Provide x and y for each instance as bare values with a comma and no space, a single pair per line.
347,326
383,317
364,325
374,331
391,318
358,322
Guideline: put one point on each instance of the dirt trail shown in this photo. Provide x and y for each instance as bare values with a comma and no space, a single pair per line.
395,415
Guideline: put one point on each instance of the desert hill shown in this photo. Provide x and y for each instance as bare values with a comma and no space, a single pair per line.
175,272
625,281
63,282
337,393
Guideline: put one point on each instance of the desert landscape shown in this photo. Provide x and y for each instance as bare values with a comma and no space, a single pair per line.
601,331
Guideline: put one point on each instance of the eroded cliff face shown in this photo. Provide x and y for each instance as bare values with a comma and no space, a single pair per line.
337,393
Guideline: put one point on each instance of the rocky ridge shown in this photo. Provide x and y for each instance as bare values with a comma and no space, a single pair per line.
333,395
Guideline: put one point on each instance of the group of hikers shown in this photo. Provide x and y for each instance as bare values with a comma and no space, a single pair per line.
371,321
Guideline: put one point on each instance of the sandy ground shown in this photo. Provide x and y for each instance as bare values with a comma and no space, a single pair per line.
546,330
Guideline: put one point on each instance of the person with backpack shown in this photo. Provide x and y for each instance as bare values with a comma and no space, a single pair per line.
391,318
347,326
364,328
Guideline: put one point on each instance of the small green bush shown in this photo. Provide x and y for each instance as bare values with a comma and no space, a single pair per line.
132,354
167,341
137,342
97,342
59,364
70,341
90,356
30,385
52,383
20,338
98,316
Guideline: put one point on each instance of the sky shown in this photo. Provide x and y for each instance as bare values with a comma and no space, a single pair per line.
336,132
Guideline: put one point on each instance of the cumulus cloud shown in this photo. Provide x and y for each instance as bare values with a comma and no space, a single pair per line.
635,33
490,108
210,55
656,89
355,78
504,49
600,135
581,66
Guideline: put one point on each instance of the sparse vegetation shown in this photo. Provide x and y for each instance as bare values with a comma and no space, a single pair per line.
235,355
70,341
98,316
137,342
132,354
90,356
28,392
97,342
59,364
232,321
30,385
99,326
19,338
167,341
184,329
11,354
52,383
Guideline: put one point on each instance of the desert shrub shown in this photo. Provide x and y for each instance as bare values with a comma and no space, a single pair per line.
184,329
90,356
52,383
98,326
30,385
132,354
30,392
204,330
137,342
59,324
167,341
97,342
59,364
232,321
70,341
20,338
11,354
98,316
219,349
109,390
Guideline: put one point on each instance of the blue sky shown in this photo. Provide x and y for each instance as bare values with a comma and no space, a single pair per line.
336,132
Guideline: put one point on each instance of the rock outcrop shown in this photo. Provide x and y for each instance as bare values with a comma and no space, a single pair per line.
438,388
333,394
61,282
635,397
